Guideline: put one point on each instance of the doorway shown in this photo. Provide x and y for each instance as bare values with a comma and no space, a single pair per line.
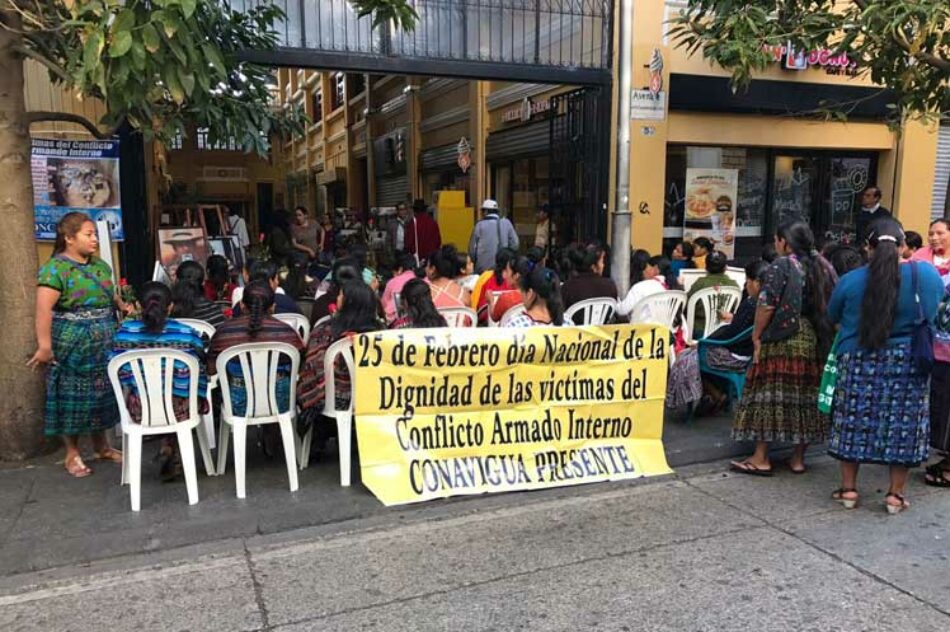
822,189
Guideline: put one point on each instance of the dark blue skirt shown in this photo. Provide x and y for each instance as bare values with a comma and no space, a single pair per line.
881,408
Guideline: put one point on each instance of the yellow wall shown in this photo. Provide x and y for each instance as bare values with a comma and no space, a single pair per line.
905,166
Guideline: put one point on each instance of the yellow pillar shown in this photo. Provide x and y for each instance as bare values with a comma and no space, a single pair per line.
910,175
647,137
478,128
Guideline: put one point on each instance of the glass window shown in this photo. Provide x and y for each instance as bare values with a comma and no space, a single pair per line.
753,167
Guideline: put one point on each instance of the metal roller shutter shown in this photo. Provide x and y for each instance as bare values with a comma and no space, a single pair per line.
941,174
441,158
391,191
526,140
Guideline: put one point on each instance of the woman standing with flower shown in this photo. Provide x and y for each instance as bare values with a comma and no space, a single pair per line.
877,307
791,339
75,325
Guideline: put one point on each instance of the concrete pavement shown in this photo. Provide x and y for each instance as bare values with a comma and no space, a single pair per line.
48,520
703,550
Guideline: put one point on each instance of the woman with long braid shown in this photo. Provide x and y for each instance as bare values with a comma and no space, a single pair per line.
256,324
791,339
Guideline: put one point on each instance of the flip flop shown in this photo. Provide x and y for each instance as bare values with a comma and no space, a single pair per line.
745,467
76,468
110,454
936,476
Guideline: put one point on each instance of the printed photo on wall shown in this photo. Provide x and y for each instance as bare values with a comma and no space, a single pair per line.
177,245
711,196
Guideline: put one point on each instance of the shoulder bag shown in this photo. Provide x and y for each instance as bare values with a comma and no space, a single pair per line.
922,340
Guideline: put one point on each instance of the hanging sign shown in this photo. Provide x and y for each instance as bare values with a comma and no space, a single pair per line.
446,412
75,175
711,196
464,149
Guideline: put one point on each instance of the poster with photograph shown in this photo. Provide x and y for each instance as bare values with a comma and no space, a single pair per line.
711,196
177,245
75,175
228,247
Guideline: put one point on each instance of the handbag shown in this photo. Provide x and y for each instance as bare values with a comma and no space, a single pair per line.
829,380
922,340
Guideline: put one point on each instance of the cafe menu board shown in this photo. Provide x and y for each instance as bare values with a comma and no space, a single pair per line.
75,175
711,196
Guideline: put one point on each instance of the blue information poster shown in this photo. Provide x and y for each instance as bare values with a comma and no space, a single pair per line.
75,175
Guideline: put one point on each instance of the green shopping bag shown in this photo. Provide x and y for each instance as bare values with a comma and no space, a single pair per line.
829,379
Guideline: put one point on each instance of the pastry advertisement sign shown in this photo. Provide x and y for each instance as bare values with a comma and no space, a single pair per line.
75,175
711,196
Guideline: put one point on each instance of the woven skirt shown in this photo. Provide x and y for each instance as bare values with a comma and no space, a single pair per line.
685,385
779,401
79,397
940,407
881,408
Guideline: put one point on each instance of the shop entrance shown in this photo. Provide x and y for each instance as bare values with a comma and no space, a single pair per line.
822,189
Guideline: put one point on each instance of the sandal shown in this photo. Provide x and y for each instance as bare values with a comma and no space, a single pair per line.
893,509
747,467
937,476
848,503
109,454
76,468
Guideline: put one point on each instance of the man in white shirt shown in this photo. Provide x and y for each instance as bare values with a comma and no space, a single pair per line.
239,229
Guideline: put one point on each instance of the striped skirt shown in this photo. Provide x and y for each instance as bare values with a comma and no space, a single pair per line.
780,398
79,397
881,408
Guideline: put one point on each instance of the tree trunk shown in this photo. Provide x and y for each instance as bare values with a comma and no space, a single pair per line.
21,391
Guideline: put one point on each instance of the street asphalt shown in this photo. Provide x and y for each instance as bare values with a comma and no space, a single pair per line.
699,550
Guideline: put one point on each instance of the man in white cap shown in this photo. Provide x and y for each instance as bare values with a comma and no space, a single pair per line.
491,234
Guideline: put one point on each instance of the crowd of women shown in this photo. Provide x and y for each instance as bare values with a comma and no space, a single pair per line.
882,315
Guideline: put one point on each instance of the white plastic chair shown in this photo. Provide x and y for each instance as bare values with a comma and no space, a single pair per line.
459,316
153,371
492,299
688,276
737,275
299,322
510,315
663,308
206,330
713,300
259,362
344,418
595,311
322,321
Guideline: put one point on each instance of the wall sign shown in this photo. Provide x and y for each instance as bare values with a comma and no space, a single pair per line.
656,72
829,60
75,175
526,110
644,105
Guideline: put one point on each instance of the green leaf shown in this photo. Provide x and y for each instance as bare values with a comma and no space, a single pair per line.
171,24
124,21
121,43
214,58
170,77
187,80
151,38
138,56
92,50
188,7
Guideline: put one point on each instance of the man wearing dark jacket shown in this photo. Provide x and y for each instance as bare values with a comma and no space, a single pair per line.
871,210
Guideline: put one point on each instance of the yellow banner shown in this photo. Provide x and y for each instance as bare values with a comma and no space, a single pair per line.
443,412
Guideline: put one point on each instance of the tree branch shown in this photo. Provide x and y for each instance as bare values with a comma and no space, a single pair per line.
35,56
65,117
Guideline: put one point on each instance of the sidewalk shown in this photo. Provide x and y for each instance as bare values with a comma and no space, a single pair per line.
703,551
50,520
